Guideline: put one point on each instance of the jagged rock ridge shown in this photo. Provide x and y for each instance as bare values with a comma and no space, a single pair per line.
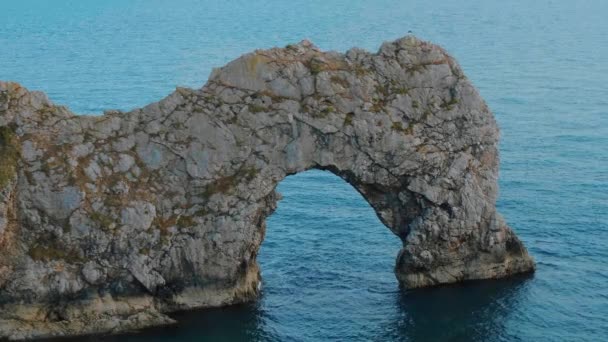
118,219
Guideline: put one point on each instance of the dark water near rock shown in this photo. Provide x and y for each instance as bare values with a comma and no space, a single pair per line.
327,260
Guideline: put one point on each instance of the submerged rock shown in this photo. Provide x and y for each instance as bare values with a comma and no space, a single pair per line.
120,218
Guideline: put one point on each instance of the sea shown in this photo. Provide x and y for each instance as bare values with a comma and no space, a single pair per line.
327,260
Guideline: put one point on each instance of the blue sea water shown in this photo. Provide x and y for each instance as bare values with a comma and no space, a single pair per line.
327,261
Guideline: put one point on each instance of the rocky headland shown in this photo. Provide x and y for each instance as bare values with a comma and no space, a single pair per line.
109,222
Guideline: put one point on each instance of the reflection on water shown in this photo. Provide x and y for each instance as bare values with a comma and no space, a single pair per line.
474,311
234,323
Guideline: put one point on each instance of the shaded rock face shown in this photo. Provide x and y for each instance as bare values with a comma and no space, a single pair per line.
122,217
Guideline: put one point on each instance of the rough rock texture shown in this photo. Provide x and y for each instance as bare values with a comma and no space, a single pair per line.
117,219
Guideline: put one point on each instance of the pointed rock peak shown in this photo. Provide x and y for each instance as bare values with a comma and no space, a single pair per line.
303,46
409,40
305,43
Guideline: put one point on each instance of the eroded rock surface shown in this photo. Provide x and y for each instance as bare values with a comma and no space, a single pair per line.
123,217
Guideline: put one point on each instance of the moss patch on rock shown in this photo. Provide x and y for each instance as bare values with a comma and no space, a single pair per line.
52,252
105,222
348,119
9,155
185,221
253,108
224,185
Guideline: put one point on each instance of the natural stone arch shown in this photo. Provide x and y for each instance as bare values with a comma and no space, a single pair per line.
164,207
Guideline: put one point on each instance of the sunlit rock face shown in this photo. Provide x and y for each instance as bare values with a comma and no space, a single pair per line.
117,219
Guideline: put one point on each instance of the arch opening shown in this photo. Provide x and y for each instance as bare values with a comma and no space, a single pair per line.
325,247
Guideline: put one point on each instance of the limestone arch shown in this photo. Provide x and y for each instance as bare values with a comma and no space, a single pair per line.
168,202
438,198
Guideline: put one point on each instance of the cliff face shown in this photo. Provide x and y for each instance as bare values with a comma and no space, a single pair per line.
116,219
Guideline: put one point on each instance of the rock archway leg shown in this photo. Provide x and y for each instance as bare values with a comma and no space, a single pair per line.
125,216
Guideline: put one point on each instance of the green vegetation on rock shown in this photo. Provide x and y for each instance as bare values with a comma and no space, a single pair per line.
104,221
226,184
9,155
339,80
348,120
398,127
185,221
257,108
52,251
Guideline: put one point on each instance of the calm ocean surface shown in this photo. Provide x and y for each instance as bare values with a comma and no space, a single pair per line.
327,260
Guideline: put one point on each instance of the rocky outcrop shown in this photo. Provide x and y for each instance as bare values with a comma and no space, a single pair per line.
118,219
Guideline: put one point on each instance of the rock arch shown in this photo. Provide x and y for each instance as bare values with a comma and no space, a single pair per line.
163,208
